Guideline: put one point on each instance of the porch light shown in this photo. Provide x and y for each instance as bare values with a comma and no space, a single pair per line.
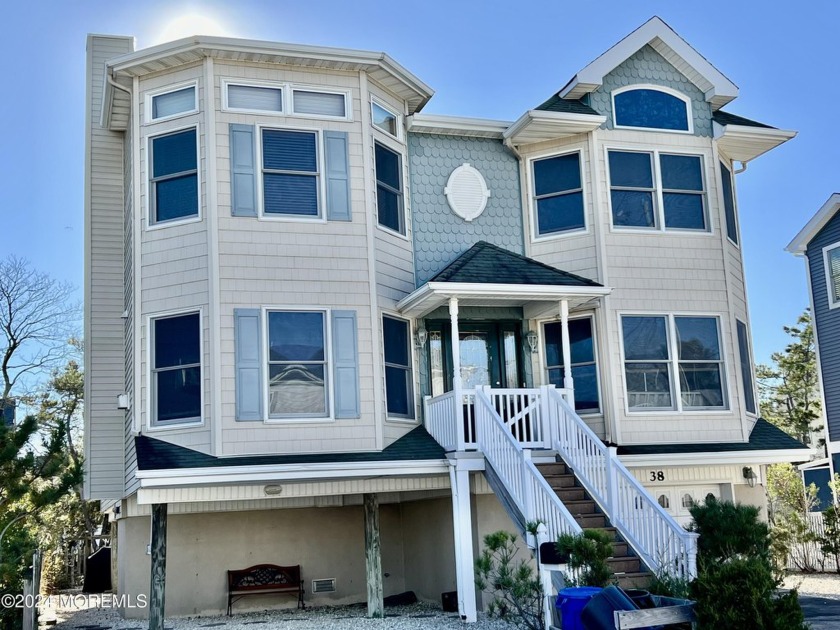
750,476
420,337
532,339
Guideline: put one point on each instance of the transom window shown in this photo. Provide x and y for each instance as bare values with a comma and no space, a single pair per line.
832,274
174,176
255,98
651,108
176,369
673,362
172,103
584,368
389,193
558,194
396,334
384,119
297,364
290,172
677,203
286,99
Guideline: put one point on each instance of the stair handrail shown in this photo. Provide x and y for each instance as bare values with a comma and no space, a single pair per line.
531,493
661,543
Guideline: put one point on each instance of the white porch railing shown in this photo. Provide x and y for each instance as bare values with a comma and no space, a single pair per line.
440,419
662,544
528,489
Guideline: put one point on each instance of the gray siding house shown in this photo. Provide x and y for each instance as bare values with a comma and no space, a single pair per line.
326,329
819,243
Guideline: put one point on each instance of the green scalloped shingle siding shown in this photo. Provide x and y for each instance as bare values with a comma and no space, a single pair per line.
440,235
649,67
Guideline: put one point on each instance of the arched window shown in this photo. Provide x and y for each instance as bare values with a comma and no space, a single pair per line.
651,107
664,501
687,501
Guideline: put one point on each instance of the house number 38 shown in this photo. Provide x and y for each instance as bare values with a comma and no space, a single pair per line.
657,475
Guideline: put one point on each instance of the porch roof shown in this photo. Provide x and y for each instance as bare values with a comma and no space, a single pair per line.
488,275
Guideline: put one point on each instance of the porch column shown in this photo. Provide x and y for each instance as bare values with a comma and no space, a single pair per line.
373,558
158,580
568,381
456,373
462,527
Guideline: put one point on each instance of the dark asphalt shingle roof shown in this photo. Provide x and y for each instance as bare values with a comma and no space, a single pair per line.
484,263
764,437
725,118
153,454
557,104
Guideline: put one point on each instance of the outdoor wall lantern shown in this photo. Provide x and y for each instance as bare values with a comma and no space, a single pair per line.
750,476
532,339
420,337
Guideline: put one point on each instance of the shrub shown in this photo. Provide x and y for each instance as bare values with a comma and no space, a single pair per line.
829,541
588,553
517,593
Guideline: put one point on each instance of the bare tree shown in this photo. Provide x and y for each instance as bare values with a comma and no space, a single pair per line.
38,314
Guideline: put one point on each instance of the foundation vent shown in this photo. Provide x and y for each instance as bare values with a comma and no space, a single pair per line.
326,585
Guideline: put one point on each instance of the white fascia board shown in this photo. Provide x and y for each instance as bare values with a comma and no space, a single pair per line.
286,472
457,125
733,457
563,122
745,143
592,76
209,45
800,242
817,463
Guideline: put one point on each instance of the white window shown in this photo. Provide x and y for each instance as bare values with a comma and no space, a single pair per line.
396,338
176,369
384,119
584,366
832,274
256,98
173,176
297,364
390,208
311,103
558,194
172,103
652,107
659,191
673,363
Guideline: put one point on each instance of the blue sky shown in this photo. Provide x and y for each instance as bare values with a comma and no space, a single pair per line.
484,59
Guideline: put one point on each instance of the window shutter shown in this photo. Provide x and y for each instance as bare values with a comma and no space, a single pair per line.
248,364
345,364
338,177
243,189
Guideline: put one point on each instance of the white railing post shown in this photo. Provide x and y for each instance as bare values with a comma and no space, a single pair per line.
527,490
547,427
458,398
612,480
691,552
545,578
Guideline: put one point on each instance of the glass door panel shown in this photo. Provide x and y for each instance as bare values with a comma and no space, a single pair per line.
475,359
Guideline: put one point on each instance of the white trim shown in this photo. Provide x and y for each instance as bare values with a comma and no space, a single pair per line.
151,425
800,242
673,362
723,160
329,417
457,126
398,119
320,178
136,256
148,100
537,125
658,192
287,472
157,225
716,457
318,89
656,88
829,288
536,237
541,323
745,143
753,380
387,143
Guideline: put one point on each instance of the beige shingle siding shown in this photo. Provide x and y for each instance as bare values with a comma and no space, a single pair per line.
104,297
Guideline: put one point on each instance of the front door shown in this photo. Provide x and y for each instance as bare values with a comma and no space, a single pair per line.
489,354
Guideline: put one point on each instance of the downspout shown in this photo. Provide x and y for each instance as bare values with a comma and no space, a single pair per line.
742,169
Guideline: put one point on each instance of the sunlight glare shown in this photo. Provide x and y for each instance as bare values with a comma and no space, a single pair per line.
190,24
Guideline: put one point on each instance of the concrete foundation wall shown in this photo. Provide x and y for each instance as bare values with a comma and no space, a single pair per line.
429,548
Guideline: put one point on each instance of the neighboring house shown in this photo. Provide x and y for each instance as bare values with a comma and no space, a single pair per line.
282,253
819,243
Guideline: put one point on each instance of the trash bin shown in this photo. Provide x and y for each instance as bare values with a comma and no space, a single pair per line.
571,602
598,612
641,598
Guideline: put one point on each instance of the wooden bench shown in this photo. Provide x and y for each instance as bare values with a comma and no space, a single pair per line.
264,578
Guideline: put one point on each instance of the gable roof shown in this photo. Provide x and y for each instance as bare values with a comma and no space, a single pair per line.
484,263
717,89
764,437
154,454
800,242
557,104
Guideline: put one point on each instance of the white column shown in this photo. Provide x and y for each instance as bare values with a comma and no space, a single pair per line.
456,373
568,381
464,557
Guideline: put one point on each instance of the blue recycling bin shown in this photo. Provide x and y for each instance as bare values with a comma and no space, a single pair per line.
571,602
